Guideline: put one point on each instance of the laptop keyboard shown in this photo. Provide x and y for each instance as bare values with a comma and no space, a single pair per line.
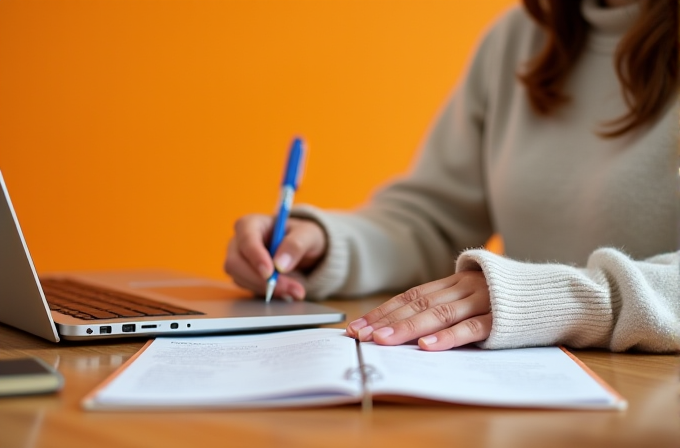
93,302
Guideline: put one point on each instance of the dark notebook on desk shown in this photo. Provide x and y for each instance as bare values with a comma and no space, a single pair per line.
94,305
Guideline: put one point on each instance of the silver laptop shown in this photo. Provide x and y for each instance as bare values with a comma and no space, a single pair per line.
96,305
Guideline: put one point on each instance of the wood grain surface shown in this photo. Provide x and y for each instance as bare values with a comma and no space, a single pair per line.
648,382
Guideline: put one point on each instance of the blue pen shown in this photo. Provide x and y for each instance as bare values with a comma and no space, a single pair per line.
288,187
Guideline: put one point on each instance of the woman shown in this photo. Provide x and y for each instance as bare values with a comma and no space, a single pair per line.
563,138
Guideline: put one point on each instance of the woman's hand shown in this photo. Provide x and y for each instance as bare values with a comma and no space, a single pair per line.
446,313
250,265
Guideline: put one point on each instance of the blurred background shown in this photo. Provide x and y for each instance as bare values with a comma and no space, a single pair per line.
133,133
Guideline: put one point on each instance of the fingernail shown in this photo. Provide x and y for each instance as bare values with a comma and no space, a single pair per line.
384,332
282,262
429,340
358,324
264,271
365,332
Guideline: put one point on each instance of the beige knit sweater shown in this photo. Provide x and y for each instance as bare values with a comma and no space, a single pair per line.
590,225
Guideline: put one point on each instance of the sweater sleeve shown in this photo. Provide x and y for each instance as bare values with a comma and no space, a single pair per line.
614,302
412,231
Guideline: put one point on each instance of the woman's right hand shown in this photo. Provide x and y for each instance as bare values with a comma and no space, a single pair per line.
250,265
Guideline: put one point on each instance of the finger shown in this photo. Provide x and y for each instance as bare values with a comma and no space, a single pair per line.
432,320
398,301
302,245
288,287
417,306
475,329
243,275
238,268
250,233
417,300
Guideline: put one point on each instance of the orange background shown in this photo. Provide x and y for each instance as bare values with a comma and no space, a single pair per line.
133,133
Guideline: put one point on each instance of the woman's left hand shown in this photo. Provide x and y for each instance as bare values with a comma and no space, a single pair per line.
446,313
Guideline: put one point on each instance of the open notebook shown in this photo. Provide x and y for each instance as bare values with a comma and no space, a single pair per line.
325,367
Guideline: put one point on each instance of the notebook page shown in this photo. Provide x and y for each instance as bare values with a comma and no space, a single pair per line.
282,368
530,377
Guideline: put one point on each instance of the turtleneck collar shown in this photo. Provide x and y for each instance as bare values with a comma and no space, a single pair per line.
608,24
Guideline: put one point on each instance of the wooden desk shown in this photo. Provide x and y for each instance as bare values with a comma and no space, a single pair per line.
650,383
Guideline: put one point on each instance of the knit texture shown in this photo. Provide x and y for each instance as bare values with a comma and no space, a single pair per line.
615,303
590,225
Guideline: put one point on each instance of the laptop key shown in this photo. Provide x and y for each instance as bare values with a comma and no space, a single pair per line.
92,302
151,311
124,312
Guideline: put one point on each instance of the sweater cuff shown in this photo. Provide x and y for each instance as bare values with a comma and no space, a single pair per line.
331,273
541,304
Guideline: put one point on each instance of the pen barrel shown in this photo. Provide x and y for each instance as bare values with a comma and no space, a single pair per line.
293,167
285,204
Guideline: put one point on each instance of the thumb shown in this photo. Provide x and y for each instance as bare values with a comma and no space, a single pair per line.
302,246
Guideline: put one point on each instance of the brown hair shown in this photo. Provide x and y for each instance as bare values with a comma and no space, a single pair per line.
646,59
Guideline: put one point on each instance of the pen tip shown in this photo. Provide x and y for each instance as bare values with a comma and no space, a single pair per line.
270,290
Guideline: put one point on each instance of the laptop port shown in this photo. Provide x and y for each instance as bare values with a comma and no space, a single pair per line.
105,329
174,325
149,326
129,328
